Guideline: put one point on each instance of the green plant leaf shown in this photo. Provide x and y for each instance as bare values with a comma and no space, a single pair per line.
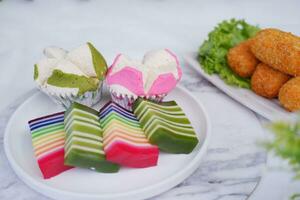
295,197
286,144
212,53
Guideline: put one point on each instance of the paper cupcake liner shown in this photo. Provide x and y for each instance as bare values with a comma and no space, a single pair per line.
126,101
89,98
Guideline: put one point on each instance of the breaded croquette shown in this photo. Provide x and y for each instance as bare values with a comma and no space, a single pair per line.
278,49
241,60
267,81
289,94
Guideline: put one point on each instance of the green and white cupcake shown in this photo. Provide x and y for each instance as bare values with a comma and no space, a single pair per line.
74,76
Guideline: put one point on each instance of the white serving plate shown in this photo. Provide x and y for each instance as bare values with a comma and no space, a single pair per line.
270,109
89,185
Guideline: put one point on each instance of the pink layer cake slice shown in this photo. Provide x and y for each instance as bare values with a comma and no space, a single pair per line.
48,139
124,141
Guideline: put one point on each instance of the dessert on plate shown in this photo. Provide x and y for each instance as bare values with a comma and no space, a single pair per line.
84,140
166,125
152,78
48,139
124,141
74,76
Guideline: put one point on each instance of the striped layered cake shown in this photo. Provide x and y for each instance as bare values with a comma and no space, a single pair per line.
48,138
166,125
84,147
124,141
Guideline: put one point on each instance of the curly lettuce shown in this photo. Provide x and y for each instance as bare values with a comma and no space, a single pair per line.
212,53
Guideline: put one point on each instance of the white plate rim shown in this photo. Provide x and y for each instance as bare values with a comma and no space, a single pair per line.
258,104
142,193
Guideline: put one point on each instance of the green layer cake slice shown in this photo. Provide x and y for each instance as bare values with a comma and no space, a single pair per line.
84,143
166,125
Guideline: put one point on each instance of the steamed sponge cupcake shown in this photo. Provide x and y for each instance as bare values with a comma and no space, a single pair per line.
152,78
74,76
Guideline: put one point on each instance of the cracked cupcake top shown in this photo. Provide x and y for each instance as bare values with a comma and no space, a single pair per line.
158,73
76,71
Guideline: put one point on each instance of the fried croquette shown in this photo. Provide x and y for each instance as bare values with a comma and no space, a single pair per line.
267,81
241,60
289,94
278,49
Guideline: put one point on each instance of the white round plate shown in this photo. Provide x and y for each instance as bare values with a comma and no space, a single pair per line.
88,185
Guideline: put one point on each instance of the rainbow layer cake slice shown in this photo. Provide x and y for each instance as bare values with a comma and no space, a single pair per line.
84,147
166,125
124,141
48,138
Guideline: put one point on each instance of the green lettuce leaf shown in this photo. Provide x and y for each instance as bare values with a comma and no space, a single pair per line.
212,53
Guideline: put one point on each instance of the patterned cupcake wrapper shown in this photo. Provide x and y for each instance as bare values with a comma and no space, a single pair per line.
126,101
89,98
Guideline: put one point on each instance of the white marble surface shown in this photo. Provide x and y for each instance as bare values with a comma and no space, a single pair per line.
130,26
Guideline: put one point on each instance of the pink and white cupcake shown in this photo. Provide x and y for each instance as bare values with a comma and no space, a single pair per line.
152,78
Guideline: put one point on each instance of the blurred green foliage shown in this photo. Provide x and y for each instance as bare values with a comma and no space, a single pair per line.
286,144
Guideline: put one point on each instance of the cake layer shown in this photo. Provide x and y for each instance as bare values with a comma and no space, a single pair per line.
166,125
84,143
110,118
93,161
83,126
132,155
109,105
82,108
48,139
122,116
123,139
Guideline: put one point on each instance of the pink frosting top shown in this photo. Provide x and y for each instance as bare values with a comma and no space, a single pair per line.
133,79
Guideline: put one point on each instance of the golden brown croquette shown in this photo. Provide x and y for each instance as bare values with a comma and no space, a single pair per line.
267,81
241,60
289,94
278,49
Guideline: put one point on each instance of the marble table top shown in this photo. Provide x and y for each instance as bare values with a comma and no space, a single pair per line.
133,27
